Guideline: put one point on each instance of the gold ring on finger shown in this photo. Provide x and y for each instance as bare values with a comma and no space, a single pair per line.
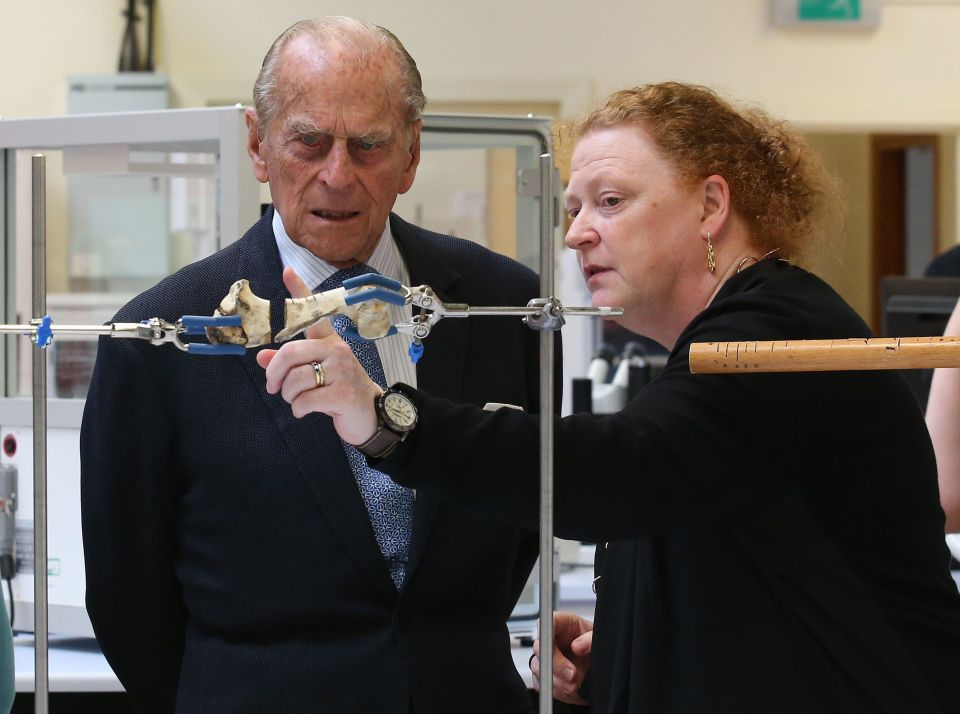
318,373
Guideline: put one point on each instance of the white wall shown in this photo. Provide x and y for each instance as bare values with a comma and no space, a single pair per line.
902,75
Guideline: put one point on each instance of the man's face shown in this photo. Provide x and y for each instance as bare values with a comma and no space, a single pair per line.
337,151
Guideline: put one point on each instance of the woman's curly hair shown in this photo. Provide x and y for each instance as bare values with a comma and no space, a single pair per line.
777,182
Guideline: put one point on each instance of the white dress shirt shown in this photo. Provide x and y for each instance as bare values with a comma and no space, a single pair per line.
386,260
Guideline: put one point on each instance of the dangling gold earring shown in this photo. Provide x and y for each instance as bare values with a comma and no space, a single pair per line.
711,259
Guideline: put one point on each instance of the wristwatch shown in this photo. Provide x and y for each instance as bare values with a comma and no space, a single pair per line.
397,416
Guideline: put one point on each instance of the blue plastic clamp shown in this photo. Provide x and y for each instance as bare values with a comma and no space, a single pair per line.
376,294
196,324
415,351
44,332
372,279
204,348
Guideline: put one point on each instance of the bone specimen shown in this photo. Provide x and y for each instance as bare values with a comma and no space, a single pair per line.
371,316
254,329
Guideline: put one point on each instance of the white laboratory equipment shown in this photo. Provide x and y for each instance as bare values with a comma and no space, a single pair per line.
613,379
191,168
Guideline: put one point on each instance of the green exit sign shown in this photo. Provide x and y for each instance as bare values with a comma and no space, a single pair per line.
836,13
829,10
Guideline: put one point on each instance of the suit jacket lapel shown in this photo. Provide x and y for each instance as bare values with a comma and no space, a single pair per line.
440,370
312,441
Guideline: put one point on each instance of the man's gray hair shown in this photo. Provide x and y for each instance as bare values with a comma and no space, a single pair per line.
365,39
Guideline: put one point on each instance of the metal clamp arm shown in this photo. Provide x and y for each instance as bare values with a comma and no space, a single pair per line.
158,332
544,314
550,317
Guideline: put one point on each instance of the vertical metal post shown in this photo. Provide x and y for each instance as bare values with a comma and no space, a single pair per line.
546,440
40,667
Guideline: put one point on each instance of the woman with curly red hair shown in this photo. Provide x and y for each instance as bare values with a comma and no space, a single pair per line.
770,542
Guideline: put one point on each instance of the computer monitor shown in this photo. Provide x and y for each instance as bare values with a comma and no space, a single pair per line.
917,307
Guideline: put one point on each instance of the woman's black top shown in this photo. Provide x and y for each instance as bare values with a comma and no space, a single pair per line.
775,540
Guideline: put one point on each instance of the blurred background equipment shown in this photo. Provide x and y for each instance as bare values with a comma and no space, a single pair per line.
130,59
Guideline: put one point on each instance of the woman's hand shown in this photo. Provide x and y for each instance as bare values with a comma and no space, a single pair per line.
339,386
572,643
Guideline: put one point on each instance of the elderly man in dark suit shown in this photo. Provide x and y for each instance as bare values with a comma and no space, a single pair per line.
243,560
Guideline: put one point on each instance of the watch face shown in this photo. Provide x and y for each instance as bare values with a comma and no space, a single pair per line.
399,412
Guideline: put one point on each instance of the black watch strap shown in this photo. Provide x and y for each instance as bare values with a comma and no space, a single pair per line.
382,443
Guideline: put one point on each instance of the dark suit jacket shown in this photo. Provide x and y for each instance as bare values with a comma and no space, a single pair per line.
231,565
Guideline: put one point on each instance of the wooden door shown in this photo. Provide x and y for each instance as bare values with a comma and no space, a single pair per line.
888,198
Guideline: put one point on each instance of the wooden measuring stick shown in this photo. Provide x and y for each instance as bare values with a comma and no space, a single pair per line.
824,355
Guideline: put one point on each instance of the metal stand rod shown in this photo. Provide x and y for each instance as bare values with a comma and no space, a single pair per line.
467,311
546,441
59,329
131,329
40,667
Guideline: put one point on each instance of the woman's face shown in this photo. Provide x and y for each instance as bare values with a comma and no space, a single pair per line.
636,230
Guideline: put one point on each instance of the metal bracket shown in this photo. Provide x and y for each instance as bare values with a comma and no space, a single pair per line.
550,317
528,184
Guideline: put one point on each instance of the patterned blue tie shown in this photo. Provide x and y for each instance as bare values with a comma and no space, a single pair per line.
389,506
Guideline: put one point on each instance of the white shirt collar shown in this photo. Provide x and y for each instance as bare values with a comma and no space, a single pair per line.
313,270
